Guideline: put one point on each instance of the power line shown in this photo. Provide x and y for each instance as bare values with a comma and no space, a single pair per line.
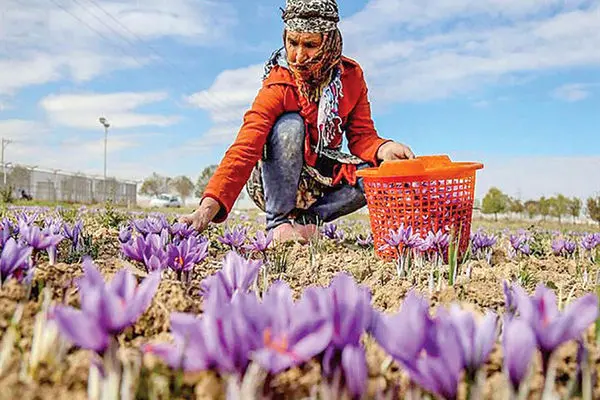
96,31
133,44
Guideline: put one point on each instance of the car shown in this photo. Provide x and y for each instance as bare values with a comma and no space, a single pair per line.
165,200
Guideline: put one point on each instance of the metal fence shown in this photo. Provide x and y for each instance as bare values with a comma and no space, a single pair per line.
49,185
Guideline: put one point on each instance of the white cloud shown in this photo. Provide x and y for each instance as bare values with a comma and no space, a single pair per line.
83,110
20,130
573,92
46,43
230,95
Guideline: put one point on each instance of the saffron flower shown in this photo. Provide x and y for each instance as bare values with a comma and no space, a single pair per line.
404,334
518,347
235,238
185,255
552,327
148,250
106,308
237,275
261,241
36,238
14,259
290,333
482,245
363,241
477,340
348,307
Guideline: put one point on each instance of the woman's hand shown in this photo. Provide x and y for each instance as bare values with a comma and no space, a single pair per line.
394,151
203,216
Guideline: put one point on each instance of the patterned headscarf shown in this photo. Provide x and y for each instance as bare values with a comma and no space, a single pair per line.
315,16
318,79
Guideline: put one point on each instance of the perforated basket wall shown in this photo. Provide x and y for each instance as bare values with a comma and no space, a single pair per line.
426,203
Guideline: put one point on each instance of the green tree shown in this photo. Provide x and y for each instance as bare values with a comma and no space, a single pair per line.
593,208
183,186
495,202
203,179
532,208
575,205
559,206
544,205
153,185
516,206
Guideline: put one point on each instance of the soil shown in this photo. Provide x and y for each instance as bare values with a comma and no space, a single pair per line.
304,266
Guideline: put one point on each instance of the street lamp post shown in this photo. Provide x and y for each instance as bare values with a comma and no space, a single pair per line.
106,125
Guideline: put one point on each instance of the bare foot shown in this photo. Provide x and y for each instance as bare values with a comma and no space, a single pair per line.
308,231
286,233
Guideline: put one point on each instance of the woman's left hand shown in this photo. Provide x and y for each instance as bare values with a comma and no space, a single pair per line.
394,151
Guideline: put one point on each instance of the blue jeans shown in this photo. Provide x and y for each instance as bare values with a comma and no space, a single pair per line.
281,173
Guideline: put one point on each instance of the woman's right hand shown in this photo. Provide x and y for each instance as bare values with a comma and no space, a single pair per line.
203,216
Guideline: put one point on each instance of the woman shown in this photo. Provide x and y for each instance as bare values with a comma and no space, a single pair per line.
287,152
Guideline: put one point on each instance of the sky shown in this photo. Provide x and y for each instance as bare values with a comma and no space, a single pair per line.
514,84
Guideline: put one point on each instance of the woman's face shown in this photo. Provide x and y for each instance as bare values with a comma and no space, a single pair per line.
302,46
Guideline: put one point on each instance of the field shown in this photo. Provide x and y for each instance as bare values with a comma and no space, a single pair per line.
353,337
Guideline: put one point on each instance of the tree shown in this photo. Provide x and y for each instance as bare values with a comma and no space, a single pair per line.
494,202
575,205
203,179
516,206
559,206
593,208
183,186
532,208
544,207
153,185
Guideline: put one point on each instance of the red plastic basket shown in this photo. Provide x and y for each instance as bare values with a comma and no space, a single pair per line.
428,193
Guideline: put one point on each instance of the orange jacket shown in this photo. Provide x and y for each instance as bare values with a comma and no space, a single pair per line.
278,95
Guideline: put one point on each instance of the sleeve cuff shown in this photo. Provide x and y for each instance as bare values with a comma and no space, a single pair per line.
223,211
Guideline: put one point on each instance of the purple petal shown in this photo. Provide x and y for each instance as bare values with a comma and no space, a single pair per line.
518,347
81,329
354,364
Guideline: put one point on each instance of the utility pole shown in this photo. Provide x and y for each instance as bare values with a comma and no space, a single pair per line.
5,142
106,125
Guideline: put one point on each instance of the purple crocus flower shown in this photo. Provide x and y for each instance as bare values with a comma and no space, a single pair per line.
236,275
551,327
36,238
477,340
403,335
125,234
261,241
7,230
330,231
558,246
510,303
73,233
520,243
481,245
518,347
363,241
106,308
438,369
13,260
290,333
234,238
570,247
185,255
150,225
148,250
182,231
348,307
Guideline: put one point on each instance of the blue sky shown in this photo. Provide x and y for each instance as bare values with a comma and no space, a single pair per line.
512,84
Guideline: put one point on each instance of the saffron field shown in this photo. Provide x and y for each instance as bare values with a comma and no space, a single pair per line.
110,304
